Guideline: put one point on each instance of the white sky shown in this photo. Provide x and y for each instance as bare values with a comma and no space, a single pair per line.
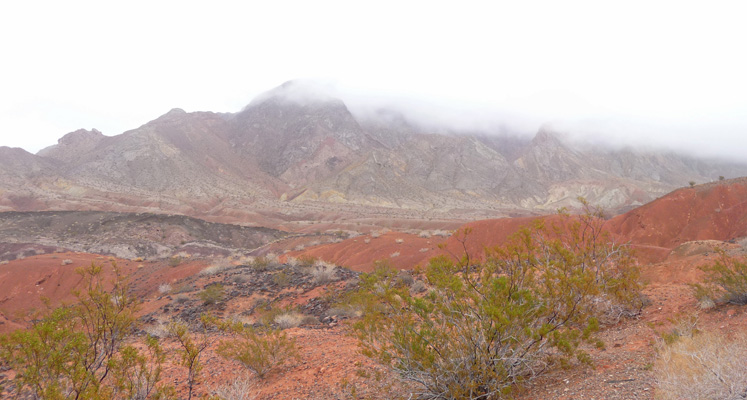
659,73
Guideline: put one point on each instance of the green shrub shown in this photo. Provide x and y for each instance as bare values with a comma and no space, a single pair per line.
484,327
257,351
726,278
79,351
212,294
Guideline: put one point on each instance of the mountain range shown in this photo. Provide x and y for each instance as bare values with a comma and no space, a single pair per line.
287,156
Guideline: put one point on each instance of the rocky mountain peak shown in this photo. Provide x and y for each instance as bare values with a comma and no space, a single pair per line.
73,144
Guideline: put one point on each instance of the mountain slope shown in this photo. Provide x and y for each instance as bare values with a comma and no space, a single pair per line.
295,150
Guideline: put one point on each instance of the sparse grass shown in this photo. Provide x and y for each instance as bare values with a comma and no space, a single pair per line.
67,262
240,278
424,234
399,240
367,240
300,247
703,366
441,233
394,255
375,234
424,250
292,261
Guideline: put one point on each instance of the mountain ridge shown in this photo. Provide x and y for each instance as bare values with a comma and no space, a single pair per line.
292,150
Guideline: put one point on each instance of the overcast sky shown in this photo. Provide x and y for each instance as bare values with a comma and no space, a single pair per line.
656,73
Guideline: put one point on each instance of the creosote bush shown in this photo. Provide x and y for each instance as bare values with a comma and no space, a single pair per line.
483,328
259,351
82,351
726,280
212,294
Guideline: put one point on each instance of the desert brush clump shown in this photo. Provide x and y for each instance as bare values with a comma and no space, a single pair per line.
212,294
484,327
257,350
84,351
726,281
191,346
704,365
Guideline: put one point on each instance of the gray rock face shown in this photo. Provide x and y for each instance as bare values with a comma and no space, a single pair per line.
296,149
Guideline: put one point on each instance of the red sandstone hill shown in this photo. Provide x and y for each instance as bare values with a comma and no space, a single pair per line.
715,211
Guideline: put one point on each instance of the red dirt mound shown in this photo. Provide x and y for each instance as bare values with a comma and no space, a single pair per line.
403,250
715,211
23,283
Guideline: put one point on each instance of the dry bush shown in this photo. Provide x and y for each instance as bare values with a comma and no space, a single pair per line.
441,233
344,311
216,267
181,298
703,366
292,261
395,254
424,234
424,250
67,262
239,389
289,320
375,234
367,240
323,272
164,288
399,240
418,287
300,247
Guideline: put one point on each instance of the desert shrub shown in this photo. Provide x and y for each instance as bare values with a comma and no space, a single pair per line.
307,261
405,278
726,278
212,294
418,287
181,298
67,262
216,267
344,311
399,240
323,272
164,288
702,366
394,255
484,327
288,320
240,278
174,261
79,351
239,389
424,234
281,279
258,351
260,264
191,346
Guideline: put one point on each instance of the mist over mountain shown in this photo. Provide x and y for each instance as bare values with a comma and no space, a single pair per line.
299,149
